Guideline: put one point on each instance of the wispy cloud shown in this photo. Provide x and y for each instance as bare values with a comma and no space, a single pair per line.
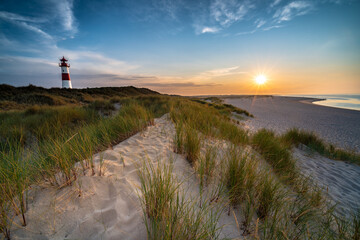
222,14
272,27
221,72
66,15
16,17
275,3
291,10
246,32
227,12
259,23
24,22
94,62
180,85
210,30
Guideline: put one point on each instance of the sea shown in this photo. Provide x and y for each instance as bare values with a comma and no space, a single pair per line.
338,101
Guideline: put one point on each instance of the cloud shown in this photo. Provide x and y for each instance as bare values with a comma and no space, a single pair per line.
66,15
95,62
246,32
227,12
181,84
272,27
24,22
291,10
210,30
220,72
259,23
275,3
16,17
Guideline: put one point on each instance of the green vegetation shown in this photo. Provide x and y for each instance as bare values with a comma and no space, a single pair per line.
207,120
205,166
167,214
192,144
238,176
296,136
275,152
269,197
214,100
24,97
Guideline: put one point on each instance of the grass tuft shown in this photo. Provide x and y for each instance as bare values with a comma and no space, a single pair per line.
276,153
192,145
269,197
167,214
311,140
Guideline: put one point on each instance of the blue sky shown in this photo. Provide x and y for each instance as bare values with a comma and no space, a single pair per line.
184,47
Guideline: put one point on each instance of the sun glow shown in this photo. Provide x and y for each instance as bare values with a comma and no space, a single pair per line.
260,79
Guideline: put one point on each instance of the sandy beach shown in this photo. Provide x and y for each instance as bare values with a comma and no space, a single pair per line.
335,125
338,179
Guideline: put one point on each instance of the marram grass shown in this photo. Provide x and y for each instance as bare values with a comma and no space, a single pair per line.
167,213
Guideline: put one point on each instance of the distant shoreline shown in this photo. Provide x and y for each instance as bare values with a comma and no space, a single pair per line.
348,102
338,126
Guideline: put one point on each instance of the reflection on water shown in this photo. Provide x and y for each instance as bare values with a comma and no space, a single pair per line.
340,101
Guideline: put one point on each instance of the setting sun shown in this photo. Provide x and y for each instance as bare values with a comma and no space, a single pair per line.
260,79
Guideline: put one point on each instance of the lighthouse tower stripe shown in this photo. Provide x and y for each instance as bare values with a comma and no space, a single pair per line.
66,76
65,73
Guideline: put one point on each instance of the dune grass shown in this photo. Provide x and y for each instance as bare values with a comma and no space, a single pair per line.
55,150
167,213
207,120
275,152
23,97
205,166
192,144
310,139
39,123
239,175
269,197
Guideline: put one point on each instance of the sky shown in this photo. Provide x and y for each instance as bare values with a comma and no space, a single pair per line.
186,47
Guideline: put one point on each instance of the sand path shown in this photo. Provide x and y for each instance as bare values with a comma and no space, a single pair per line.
108,207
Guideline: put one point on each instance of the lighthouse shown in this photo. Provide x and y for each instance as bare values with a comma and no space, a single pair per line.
65,74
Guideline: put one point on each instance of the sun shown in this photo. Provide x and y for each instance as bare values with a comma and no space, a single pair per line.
260,79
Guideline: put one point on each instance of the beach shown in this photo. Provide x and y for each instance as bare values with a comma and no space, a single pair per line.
340,127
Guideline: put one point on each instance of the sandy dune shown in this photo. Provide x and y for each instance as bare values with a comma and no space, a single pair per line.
108,207
340,180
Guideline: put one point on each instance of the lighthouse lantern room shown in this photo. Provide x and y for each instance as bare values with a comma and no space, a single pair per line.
65,74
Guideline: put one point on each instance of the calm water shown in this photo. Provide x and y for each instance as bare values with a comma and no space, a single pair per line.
339,101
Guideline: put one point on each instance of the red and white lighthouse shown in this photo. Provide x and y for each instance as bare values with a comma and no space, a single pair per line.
65,74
